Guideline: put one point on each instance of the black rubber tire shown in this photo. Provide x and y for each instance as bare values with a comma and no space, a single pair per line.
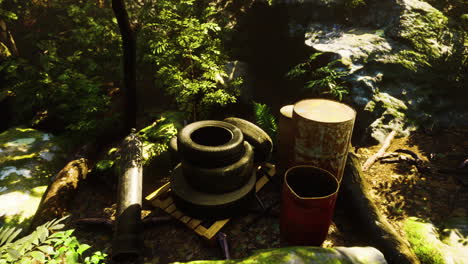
210,143
222,179
174,154
257,137
208,206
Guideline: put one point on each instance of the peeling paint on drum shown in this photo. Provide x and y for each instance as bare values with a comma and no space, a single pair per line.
322,134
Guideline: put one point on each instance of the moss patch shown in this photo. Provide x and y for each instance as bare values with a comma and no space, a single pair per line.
28,160
424,241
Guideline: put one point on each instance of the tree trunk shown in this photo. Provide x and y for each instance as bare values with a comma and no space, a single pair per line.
127,31
381,234
57,198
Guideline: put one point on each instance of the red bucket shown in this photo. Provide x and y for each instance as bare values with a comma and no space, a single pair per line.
308,202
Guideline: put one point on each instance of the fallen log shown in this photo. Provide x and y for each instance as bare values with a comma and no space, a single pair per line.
370,161
56,201
381,235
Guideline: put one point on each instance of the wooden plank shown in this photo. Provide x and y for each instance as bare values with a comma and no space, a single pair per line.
185,219
194,223
165,203
177,214
201,231
170,209
158,192
260,183
214,228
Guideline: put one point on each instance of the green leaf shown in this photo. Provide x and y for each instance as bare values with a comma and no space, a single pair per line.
13,253
47,249
82,248
71,257
37,255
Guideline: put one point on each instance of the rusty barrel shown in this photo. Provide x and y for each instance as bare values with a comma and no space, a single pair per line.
322,134
307,205
285,138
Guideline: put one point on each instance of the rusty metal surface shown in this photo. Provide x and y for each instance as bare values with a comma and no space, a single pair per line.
322,133
285,138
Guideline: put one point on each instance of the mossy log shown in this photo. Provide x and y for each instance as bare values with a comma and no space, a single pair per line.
57,198
356,194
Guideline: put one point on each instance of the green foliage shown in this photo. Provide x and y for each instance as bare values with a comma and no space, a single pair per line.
265,119
355,3
184,44
327,79
45,245
61,81
422,241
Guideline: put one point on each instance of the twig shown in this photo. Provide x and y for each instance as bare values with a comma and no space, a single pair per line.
370,161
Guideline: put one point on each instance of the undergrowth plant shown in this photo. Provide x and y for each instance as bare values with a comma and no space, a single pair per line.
45,245
325,80
265,119
59,77
184,43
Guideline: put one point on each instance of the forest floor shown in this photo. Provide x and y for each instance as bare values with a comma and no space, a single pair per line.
400,190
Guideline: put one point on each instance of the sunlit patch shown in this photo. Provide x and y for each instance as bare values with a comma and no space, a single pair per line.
19,205
6,171
47,155
20,142
46,137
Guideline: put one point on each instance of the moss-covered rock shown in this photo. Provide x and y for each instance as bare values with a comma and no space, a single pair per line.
428,245
28,160
299,255
402,56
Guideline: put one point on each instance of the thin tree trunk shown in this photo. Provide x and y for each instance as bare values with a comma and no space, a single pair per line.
128,34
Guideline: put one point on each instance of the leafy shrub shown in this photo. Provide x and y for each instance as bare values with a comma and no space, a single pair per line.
184,44
45,245
324,80
59,78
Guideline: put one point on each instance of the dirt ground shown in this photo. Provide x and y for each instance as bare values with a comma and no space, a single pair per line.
399,189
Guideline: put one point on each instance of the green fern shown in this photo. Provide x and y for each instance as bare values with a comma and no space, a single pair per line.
265,119
44,245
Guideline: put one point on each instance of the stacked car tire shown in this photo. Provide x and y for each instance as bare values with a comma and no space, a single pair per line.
215,177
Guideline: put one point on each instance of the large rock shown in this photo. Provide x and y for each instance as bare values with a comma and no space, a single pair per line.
397,53
302,255
432,247
28,160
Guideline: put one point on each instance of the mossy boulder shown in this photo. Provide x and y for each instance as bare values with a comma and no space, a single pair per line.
429,246
299,255
28,160
397,63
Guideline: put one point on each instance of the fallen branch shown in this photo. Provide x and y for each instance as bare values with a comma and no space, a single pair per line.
56,201
370,161
356,192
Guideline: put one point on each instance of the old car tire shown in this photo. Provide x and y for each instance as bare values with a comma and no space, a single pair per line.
257,137
210,143
174,155
222,179
210,206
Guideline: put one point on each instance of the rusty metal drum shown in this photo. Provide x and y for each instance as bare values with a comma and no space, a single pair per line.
285,138
322,134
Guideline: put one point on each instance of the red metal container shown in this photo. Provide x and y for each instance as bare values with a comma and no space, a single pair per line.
307,206
322,134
